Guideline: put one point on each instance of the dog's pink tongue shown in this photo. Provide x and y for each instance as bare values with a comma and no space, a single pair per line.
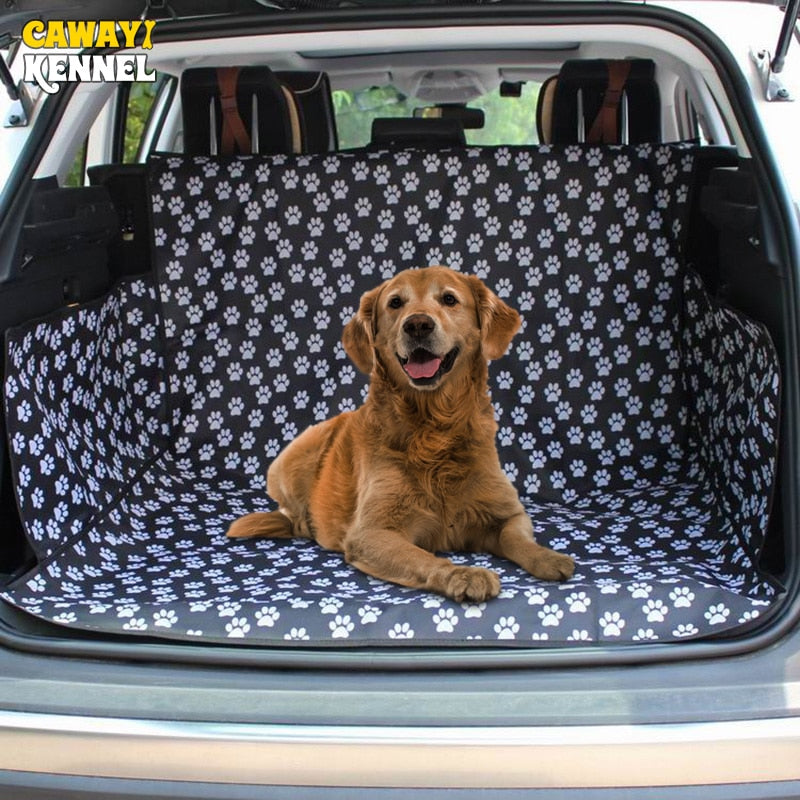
422,369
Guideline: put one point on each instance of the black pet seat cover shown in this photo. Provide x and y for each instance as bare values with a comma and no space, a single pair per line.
637,416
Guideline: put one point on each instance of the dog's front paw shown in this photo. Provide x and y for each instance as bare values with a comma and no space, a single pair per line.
548,565
471,584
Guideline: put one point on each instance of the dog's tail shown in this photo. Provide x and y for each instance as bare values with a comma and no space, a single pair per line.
273,524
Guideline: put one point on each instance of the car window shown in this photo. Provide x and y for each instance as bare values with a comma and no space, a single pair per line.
77,172
508,120
140,99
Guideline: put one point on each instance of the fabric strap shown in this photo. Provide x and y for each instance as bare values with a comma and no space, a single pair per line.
604,128
234,134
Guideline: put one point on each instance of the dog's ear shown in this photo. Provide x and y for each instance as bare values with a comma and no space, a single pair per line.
498,321
359,333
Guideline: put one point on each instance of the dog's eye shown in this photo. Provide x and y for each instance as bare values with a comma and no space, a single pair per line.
396,302
449,299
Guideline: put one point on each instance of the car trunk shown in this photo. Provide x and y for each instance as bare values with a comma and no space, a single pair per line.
639,409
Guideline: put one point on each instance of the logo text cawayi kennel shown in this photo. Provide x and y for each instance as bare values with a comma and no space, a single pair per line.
52,66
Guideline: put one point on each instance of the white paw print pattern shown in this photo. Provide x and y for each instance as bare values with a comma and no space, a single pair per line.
445,620
259,263
401,630
237,628
551,615
379,216
369,614
341,626
506,628
100,378
267,617
612,624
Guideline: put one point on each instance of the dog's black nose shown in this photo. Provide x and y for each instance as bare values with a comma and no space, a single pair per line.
419,325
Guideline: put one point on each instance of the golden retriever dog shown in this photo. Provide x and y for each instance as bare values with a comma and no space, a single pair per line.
413,471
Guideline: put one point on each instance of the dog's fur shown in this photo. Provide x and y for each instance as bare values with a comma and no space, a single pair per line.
415,469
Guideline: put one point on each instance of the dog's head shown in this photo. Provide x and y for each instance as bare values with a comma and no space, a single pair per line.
427,324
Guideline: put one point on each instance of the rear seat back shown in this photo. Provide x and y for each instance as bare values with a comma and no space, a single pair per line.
584,241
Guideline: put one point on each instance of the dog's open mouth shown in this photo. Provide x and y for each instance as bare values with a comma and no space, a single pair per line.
424,367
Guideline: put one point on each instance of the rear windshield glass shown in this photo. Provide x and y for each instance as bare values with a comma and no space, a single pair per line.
507,120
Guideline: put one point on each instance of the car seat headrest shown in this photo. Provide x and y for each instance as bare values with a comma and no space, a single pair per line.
417,131
597,101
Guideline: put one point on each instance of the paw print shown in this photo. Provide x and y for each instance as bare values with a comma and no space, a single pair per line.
578,468
392,194
330,605
506,628
612,623
176,206
165,618
322,202
401,631
603,177
640,590
545,238
551,615
503,251
645,372
47,464
369,614
297,635
593,252
502,192
247,235
573,188
341,627
237,628
267,617
473,610
578,602
328,295
340,189
525,206
579,636
551,170
491,226
685,629
718,614
445,620
587,225
654,610
563,317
